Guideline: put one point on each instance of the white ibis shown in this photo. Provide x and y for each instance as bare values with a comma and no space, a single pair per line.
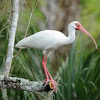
50,40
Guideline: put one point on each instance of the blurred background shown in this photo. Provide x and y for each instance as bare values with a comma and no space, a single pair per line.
77,65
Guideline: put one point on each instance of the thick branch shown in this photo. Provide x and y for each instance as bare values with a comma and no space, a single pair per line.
23,84
12,33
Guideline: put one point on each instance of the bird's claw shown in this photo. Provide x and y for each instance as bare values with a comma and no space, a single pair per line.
52,84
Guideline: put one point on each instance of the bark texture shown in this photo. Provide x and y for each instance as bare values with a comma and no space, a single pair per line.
12,33
23,84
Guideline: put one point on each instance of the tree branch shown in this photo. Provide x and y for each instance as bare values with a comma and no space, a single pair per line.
23,84
10,50
27,26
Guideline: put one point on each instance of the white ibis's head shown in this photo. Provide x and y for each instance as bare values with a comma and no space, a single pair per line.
76,25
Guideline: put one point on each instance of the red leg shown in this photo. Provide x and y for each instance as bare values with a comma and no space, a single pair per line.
48,71
51,79
49,74
44,68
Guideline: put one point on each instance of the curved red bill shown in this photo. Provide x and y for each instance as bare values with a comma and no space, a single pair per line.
83,30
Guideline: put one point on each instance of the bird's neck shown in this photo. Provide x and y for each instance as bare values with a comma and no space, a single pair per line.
71,35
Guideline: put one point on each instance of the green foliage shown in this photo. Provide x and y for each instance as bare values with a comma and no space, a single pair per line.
3,41
90,16
80,79
79,74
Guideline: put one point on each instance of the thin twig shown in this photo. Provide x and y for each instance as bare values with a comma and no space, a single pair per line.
27,27
4,28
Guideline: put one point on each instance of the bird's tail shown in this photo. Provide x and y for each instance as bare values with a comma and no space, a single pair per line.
20,45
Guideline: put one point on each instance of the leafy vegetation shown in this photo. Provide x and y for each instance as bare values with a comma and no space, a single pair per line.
79,74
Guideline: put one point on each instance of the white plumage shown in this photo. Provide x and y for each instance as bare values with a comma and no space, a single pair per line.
49,40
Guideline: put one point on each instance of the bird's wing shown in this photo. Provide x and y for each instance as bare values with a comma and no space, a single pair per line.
41,40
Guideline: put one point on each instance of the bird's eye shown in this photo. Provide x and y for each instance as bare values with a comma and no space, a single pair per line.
77,24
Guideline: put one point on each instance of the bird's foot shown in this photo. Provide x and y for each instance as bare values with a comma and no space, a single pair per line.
47,80
52,84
